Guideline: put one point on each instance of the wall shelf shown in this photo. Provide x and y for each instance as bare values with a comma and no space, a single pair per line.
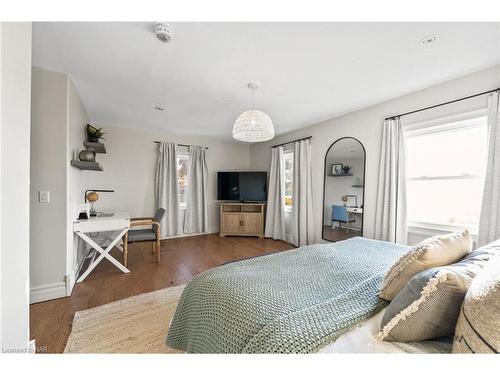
87,165
98,147
357,186
341,175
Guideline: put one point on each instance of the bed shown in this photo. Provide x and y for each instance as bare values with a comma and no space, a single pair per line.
297,301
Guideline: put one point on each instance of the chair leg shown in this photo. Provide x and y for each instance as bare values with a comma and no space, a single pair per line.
158,244
125,249
153,247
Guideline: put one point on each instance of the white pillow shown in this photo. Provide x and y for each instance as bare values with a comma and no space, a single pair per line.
435,251
478,327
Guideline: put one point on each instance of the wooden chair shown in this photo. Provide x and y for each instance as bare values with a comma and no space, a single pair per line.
140,235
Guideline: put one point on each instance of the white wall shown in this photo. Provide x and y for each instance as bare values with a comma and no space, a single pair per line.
15,93
48,172
129,169
58,120
77,182
366,126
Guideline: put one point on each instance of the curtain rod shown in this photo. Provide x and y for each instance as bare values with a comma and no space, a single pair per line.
441,104
295,140
180,144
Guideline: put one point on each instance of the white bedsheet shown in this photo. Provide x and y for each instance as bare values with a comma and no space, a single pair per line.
362,339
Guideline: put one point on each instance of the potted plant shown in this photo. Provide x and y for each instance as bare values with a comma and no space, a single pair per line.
93,133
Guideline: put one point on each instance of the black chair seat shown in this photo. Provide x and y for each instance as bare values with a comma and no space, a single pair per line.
141,235
152,234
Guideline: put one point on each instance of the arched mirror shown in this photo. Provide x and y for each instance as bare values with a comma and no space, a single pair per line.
343,191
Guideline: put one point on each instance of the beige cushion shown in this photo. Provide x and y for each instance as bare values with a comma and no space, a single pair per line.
478,327
429,304
435,251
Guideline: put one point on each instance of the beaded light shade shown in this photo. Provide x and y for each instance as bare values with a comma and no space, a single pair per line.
253,125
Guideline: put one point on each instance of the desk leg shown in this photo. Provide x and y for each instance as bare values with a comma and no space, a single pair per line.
103,253
110,239
125,249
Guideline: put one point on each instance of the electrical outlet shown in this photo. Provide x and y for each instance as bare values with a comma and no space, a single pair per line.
44,196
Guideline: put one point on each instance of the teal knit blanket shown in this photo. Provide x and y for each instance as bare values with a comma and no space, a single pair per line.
295,301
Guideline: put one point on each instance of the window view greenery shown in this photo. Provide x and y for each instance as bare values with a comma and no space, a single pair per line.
182,176
444,189
288,177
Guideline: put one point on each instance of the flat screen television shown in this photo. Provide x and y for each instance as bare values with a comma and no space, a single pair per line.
242,186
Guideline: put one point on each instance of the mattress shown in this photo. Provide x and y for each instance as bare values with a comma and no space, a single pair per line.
362,339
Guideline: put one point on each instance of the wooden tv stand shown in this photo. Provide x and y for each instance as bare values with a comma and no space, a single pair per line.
242,219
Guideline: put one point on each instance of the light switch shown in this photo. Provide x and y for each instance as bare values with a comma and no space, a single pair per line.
44,196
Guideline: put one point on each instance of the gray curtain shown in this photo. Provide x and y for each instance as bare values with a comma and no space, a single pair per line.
302,232
390,216
196,214
167,188
275,216
489,221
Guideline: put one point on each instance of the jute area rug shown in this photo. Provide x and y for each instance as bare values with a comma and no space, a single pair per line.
137,324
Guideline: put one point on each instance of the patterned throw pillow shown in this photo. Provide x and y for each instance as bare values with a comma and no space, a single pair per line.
478,328
433,252
429,305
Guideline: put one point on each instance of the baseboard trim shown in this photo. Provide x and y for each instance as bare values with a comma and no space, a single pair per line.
213,230
47,292
70,283
32,346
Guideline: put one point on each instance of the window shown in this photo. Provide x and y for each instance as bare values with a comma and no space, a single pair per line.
182,176
445,174
288,177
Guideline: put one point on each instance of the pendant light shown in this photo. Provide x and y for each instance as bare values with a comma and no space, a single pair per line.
253,125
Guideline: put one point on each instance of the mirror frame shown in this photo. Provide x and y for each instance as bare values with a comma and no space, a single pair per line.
324,186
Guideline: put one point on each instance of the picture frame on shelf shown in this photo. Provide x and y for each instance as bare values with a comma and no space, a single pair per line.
337,169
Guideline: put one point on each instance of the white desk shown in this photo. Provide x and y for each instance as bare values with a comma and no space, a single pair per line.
118,222
358,212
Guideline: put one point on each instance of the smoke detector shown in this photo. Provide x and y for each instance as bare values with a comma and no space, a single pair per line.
163,32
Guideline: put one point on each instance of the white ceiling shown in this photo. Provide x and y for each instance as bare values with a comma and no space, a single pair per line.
308,72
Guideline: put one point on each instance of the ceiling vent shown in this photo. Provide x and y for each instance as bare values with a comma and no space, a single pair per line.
428,40
163,32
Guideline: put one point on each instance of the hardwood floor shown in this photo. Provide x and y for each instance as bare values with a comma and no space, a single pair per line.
338,234
181,260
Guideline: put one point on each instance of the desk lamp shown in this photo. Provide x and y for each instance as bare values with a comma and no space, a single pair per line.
92,196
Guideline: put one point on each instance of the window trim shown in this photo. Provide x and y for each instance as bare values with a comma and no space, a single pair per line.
441,227
415,127
422,227
465,176
464,121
